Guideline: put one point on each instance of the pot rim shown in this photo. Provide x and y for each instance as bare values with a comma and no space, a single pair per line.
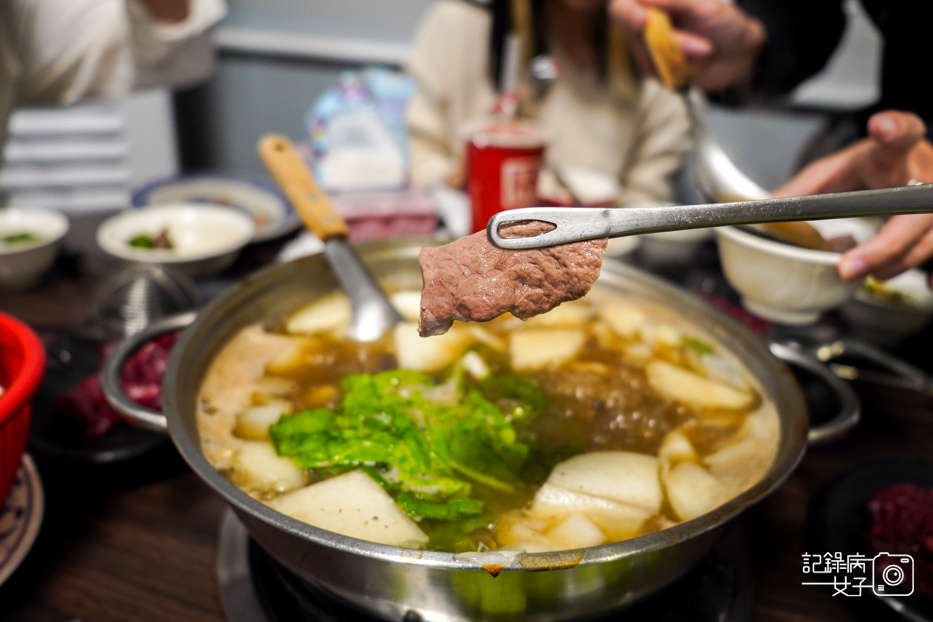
787,397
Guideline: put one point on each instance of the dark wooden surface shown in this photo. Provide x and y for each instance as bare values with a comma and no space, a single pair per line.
138,540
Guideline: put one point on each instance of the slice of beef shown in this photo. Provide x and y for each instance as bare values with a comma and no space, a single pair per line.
470,279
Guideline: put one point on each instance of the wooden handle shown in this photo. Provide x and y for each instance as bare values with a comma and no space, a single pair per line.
296,181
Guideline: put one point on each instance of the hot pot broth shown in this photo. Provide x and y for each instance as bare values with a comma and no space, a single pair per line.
602,420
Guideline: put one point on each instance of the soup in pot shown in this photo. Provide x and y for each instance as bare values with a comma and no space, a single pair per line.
605,419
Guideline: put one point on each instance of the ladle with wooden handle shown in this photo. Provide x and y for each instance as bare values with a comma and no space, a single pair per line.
373,314
717,178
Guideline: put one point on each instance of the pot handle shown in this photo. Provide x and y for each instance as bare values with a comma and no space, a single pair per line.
139,416
850,409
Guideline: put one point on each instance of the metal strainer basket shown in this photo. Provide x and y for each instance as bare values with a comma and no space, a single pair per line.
135,297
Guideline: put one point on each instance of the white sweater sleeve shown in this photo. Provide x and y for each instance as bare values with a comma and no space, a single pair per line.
173,54
70,49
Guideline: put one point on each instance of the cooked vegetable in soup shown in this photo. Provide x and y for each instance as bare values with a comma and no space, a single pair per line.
599,421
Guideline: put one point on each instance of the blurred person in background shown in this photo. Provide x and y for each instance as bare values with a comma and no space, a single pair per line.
56,52
761,49
595,112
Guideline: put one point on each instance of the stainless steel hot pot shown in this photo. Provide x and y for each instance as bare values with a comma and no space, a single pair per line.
392,582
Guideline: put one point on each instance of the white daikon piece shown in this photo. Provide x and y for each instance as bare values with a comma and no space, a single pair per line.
624,319
689,388
658,334
522,531
568,314
737,463
328,314
675,447
529,546
474,364
552,505
407,303
724,369
744,458
537,349
270,389
257,463
253,423
486,337
637,353
576,532
415,352
622,476
693,491
354,505
303,349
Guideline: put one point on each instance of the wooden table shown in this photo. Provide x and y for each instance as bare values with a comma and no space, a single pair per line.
138,541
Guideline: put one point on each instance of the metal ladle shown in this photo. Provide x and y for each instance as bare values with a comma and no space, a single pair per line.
718,180
575,224
716,177
373,314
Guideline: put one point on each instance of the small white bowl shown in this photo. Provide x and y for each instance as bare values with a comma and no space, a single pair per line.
22,265
887,322
784,283
207,238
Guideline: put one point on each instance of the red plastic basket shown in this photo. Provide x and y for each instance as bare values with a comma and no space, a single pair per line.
22,365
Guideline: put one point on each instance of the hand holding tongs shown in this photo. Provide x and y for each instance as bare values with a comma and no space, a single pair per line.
575,224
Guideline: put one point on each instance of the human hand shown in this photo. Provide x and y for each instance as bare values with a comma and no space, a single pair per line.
894,154
720,41
171,11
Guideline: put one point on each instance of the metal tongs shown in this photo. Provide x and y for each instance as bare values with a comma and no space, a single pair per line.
576,224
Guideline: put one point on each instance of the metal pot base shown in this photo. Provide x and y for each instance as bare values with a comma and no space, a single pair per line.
256,588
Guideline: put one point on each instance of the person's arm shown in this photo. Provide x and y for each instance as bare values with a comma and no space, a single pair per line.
68,49
171,40
894,154
169,11
664,140
71,49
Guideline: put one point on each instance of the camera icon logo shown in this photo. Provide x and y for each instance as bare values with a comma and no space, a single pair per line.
893,575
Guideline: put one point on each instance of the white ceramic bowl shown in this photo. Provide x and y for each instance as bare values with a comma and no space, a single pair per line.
206,238
22,265
784,283
887,322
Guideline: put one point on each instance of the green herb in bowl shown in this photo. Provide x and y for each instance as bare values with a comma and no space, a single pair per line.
882,293
152,242
20,239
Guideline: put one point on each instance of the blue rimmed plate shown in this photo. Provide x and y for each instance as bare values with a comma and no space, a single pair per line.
259,197
20,517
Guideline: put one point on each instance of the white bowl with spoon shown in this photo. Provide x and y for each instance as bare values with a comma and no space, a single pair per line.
785,283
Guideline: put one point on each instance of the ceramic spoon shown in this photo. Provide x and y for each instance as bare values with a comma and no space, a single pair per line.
373,314
575,224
